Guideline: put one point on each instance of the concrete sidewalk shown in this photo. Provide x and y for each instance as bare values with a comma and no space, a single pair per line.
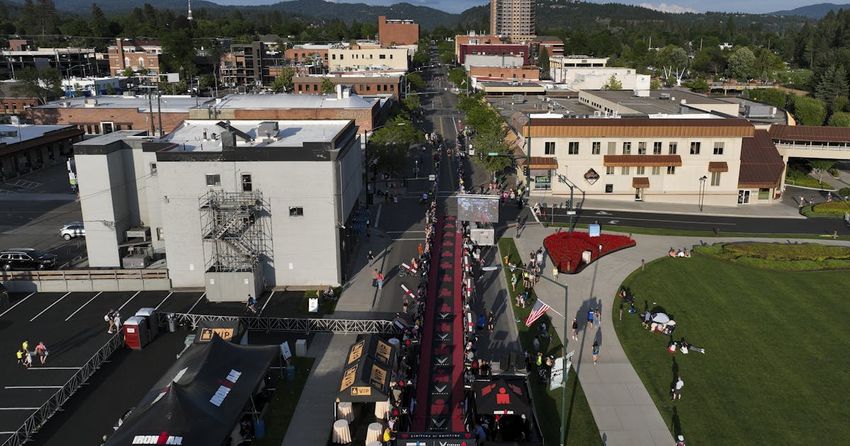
778,210
313,417
621,405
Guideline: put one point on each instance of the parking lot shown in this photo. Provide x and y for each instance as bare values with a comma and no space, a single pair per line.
32,210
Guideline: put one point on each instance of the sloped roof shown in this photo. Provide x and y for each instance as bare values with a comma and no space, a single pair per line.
761,163
809,133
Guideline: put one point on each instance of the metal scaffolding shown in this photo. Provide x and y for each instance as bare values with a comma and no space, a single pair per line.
285,324
236,230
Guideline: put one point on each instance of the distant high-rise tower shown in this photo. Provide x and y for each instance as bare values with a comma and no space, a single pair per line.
189,17
512,18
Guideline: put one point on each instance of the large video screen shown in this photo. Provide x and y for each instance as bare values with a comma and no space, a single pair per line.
478,208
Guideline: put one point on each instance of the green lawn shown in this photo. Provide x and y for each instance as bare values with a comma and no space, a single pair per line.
298,306
776,368
832,209
581,427
282,405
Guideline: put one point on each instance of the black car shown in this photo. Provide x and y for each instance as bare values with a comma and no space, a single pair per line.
26,259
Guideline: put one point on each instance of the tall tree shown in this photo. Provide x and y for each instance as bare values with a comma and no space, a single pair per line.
48,19
99,25
741,64
283,81
832,87
44,84
809,111
543,62
674,63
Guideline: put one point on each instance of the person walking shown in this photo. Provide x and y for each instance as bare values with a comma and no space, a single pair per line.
110,321
370,257
555,272
595,352
19,355
597,317
575,329
379,279
590,316
251,304
677,388
420,249
41,352
116,321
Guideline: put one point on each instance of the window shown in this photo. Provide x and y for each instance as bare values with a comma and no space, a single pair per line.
718,148
153,169
596,148
642,148
543,182
624,170
549,148
382,56
296,211
612,148
213,180
656,148
609,170
671,149
715,178
764,194
695,148
572,149
247,184
656,170
671,170
609,188
627,148
160,234
107,127
640,170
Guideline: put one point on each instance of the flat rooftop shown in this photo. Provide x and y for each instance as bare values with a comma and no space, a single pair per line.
26,132
654,103
167,103
290,134
278,101
507,106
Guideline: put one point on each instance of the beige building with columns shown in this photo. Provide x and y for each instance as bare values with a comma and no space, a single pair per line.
720,162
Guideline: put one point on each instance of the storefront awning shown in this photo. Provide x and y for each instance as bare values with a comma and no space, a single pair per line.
640,182
642,160
539,163
718,166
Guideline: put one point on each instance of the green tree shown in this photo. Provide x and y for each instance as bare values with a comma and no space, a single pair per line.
840,119
543,62
48,19
809,111
613,83
673,61
494,153
710,60
832,87
821,167
415,81
283,81
99,25
741,64
767,64
411,103
654,84
44,84
771,96
390,144
328,86
458,77
698,85
128,72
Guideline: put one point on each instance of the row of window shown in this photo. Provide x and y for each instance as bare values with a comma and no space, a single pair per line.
642,148
358,88
362,56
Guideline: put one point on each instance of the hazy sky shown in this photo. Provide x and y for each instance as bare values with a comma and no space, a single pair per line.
669,5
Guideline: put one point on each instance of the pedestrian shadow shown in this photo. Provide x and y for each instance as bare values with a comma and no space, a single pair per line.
677,423
597,338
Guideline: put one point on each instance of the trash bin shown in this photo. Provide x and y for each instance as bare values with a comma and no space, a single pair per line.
136,333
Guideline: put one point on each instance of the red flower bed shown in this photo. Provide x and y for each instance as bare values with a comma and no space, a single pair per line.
565,248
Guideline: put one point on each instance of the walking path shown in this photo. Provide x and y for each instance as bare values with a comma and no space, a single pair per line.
621,405
784,210
313,417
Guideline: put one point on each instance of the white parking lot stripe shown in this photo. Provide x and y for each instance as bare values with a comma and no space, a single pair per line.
49,306
32,387
267,302
196,303
128,300
163,301
82,306
16,304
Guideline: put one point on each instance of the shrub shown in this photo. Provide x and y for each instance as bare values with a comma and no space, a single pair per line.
844,191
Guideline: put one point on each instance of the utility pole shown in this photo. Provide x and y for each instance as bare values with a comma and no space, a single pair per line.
159,109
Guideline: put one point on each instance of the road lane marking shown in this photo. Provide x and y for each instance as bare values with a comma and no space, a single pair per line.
32,387
128,301
196,303
19,408
658,220
163,300
53,368
82,306
50,306
267,302
16,304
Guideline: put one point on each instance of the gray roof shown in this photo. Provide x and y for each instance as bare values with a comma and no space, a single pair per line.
279,101
167,103
654,103
27,132
190,135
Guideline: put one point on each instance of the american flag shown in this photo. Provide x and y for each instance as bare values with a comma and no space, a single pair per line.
539,309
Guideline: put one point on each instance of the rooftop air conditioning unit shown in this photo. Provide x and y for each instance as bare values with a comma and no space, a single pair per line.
91,102
664,96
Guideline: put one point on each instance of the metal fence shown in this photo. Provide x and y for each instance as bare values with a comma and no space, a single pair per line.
303,325
58,399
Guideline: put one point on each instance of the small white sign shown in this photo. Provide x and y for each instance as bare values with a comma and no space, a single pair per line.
432,177
284,350
313,304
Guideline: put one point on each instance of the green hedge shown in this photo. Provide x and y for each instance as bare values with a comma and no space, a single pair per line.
782,256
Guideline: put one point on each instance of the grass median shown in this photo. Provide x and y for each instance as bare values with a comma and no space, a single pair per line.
581,427
774,371
283,403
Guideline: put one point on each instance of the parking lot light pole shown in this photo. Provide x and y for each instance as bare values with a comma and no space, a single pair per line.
702,191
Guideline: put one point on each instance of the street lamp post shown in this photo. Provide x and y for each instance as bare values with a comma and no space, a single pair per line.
702,191
565,371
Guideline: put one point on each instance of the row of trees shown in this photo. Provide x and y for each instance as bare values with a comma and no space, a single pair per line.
489,134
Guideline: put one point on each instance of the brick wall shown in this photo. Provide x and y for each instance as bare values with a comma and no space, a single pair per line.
363,86
397,33
16,106
89,119
300,54
527,73
502,49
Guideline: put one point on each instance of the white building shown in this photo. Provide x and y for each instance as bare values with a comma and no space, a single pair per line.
717,161
585,78
369,57
492,60
234,207
91,86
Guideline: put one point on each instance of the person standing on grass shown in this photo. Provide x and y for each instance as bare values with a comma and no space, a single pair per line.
41,352
595,352
677,388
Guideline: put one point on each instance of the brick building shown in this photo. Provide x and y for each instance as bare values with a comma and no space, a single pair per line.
474,39
362,85
307,53
502,49
25,148
530,73
106,114
397,32
363,111
249,64
136,55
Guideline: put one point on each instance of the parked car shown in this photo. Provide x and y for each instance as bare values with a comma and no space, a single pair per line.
26,259
72,230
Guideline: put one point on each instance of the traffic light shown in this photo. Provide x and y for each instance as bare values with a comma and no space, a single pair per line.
526,172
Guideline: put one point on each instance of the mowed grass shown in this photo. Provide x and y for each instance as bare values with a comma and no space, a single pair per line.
581,427
282,405
776,364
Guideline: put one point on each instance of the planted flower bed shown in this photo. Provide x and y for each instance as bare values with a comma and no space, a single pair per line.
566,248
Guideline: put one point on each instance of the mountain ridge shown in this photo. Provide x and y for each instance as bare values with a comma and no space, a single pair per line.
816,11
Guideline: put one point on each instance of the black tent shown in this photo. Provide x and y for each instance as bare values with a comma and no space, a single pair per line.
201,397
368,369
500,397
